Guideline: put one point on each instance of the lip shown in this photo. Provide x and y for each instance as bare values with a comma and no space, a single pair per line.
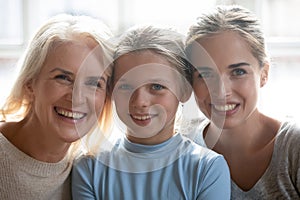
68,115
142,119
228,109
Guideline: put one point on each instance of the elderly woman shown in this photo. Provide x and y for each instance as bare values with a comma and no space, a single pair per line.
58,97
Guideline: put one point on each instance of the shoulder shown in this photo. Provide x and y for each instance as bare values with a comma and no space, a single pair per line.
287,142
289,133
194,130
203,155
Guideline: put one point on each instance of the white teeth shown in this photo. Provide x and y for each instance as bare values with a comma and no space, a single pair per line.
74,115
225,107
144,117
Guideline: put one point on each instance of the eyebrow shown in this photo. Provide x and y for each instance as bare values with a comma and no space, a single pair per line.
235,65
97,78
61,70
154,80
238,65
203,68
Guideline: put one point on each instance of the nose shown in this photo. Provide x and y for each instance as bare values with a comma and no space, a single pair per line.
77,94
140,98
222,87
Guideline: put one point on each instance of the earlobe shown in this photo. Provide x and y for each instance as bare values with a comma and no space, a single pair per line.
264,74
186,94
29,91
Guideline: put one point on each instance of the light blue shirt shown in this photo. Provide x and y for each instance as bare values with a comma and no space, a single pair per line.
175,169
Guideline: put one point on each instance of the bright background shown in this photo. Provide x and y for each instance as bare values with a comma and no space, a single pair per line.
19,20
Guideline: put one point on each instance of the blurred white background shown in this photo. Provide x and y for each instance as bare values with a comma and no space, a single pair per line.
19,19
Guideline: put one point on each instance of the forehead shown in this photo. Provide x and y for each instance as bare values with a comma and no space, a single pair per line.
82,54
143,62
220,49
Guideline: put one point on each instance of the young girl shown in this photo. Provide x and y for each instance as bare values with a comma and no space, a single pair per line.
227,50
153,161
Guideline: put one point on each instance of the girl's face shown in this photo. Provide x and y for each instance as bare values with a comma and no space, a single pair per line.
146,94
227,79
69,93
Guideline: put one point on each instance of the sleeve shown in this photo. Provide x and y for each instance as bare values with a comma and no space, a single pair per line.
82,176
216,182
294,156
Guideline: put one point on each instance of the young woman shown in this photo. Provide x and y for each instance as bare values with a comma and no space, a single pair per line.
227,49
153,161
59,96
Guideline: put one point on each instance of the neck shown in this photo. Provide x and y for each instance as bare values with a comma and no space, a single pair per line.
32,139
158,138
253,134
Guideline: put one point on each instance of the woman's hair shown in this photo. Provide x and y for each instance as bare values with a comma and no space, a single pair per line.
60,29
165,42
230,18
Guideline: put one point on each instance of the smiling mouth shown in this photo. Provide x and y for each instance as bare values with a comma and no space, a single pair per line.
69,114
225,108
141,117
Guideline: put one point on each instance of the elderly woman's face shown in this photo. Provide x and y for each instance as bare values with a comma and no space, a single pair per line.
70,91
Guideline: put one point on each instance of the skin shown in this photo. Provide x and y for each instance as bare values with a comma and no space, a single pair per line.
146,96
226,85
71,82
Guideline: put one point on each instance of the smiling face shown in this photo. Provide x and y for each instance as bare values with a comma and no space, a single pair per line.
146,88
69,93
227,79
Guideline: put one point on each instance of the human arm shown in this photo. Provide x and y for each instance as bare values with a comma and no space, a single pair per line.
82,176
215,183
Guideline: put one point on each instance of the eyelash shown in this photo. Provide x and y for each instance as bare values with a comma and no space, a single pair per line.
157,87
235,72
124,87
239,72
63,77
95,83
204,75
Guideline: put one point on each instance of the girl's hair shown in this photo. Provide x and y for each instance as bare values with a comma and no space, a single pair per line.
165,42
61,29
230,18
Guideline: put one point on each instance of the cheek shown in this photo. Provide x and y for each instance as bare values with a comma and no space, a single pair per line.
44,93
98,101
122,107
248,88
201,91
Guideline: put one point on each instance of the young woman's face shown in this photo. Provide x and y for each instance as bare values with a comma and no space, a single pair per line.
227,79
69,93
146,90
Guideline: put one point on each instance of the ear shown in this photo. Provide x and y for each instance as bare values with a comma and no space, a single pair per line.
186,93
264,74
29,91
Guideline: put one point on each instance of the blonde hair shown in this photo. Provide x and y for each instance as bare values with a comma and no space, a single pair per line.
230,18
162,41
62,28
165,42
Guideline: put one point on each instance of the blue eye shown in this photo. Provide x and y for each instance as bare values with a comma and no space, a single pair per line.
238,72
157,87
205,75
95,83
125,87
62,78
